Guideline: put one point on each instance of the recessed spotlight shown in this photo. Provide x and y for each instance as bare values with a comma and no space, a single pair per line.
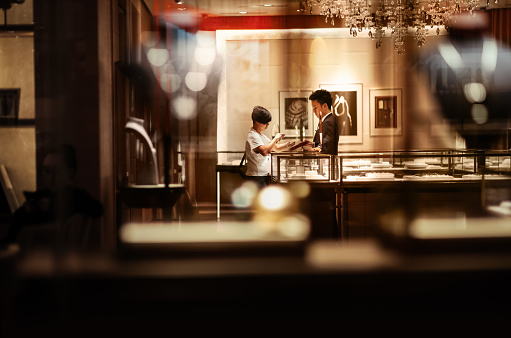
267,5
242,12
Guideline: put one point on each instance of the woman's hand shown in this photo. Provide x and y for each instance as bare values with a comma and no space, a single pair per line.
290,144
279,136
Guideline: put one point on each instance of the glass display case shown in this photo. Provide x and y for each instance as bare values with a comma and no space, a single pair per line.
474,163
370,185
379,188
396,165
417,165
436,165
309,166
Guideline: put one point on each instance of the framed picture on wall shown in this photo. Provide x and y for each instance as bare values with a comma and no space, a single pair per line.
295,113
385,112
347,110
9,104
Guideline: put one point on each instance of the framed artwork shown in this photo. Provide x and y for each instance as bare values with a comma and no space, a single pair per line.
9,104
347,110
295,113
385,112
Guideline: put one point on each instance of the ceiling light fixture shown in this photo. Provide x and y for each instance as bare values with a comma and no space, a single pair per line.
396,16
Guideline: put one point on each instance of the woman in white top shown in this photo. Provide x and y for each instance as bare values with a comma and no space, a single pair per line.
259,146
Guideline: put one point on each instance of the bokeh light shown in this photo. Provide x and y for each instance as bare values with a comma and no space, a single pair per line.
474,92
274,198
300,189
205,39
157,56
205,56
243,196
293,226
479,113
149,39
185,108
170,82
196,81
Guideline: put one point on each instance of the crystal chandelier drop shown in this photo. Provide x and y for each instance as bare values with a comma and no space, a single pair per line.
400,18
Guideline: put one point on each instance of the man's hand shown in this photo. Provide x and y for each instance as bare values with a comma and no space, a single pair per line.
311,144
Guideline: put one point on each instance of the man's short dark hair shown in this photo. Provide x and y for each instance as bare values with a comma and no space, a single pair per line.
322,96
261,115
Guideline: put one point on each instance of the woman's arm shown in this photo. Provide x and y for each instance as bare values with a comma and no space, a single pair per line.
283,147
266,149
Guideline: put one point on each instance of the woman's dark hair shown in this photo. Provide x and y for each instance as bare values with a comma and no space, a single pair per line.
322,96
261,115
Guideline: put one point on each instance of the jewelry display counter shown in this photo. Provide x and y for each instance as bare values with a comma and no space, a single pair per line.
309,166
438,165
322,173
419,183
349,192
361,186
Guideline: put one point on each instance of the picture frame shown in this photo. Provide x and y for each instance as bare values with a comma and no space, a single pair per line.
9,104
292,105
347,109
385,112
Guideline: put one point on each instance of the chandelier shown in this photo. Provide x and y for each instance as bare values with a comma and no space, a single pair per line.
399,17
